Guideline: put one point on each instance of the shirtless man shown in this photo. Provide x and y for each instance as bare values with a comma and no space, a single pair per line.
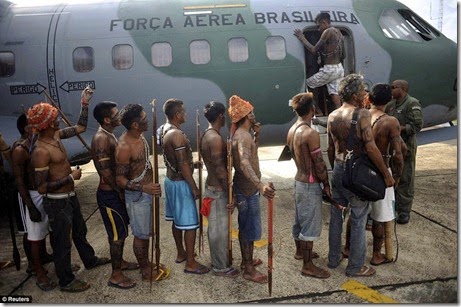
111,200
330,45
214,155
180,188
55,179
134,175
33,215
247,183
304,143
352,92
386,132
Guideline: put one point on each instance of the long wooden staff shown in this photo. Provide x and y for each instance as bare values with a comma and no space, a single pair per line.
388,241
155,199
66,120
200,236
269,245
10,213
230,197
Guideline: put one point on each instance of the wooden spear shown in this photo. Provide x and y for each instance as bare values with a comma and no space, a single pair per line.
155,199
269,245
200,236
230,200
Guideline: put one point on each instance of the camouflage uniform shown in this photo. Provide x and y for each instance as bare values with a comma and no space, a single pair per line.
409,114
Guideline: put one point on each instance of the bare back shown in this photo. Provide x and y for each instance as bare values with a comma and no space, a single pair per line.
331,40
246,162
103,146
213,150
176,151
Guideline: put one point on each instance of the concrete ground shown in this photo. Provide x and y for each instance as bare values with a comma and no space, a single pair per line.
426,270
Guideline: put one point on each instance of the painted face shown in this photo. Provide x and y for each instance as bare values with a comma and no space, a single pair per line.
143,122
252,117
55,124
115,119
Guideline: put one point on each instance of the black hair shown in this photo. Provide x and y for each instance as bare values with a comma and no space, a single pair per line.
302,103
129,114
212,110
21,123
103,110
171,106
322,16
380,94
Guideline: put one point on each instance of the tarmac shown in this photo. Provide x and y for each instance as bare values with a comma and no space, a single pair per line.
426,270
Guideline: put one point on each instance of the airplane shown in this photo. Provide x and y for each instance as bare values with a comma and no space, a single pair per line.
203,50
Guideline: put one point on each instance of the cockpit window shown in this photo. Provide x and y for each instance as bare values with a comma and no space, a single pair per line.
7,66
405,25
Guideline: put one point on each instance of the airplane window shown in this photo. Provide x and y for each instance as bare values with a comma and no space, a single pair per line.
83,59
122,57
161,54
394,26
238,49
7,67
200,52
275,48
406,25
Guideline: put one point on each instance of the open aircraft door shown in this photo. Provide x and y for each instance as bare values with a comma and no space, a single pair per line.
313,63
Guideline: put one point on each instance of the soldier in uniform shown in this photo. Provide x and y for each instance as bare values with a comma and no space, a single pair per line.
408,111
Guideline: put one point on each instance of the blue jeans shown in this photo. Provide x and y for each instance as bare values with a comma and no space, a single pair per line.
218,228
139,208
359,211
249,217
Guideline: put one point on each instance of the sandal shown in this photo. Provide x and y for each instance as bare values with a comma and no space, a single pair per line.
46,286
256,262
231,272
365,271
76,286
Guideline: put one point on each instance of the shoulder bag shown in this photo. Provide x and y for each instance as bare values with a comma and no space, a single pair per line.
361,176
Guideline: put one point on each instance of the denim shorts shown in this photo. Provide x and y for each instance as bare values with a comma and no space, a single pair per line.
307,225
139,208
249,217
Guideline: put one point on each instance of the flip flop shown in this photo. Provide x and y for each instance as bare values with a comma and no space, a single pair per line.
232,272
259,278
384,262
365,271
46,286
200,270
119,285
76,286
181,261
256,262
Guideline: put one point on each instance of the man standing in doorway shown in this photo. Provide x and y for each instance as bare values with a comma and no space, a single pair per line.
330,46
409,113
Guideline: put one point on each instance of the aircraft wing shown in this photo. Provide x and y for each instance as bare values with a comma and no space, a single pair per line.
439,134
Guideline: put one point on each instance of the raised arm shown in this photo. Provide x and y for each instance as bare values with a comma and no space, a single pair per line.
82,123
